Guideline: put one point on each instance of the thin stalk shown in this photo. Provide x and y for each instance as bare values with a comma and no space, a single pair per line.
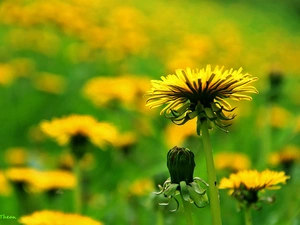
212,178
266,138
248,216
78,190
187,211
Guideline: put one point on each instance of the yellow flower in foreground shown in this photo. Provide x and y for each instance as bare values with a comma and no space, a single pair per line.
231,160
254,180
68,127
190,93
245,185
47,217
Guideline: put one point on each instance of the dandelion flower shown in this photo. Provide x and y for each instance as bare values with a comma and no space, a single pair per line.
84,126
55,179
232,161
47,217
286,158
245,185
200,93
16,156
4,185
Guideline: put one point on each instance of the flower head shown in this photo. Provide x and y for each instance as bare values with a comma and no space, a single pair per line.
47,217
232,161
55,179
245,185
78,129
181,164
4,185
190,93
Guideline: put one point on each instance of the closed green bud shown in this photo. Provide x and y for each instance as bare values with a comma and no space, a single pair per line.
181,164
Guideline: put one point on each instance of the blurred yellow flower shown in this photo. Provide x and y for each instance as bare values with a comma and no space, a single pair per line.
16,156
254,180
125,140
280,117
141,187
36,180
7,74
190,93
47,217
63,129
4,185
22,175
287,155
232,161
55,179
49,82
103,90
67,162
176,135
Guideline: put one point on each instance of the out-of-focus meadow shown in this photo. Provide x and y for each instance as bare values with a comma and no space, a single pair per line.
94,57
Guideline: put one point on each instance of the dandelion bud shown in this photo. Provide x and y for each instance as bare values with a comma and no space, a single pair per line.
181,164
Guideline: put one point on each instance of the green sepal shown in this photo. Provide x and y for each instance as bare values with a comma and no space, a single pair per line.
184,191
200,200
171,190
209,113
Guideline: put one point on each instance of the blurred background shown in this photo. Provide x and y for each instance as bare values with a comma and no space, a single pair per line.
96,58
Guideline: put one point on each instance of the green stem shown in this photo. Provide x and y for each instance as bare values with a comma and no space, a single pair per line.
212,178
78,190
248,217
266,138
187,211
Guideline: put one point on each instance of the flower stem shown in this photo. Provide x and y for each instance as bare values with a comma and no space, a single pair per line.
212,178
77,191
248,217
187,211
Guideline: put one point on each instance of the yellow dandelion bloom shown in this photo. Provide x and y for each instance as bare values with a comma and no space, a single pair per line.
254,180
56,179
113,88
25,176
125,140
176,135
7,74
63,129
47,217
49,82
22,175
190,93
16,156
288,154
142,187
4,185
232,161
